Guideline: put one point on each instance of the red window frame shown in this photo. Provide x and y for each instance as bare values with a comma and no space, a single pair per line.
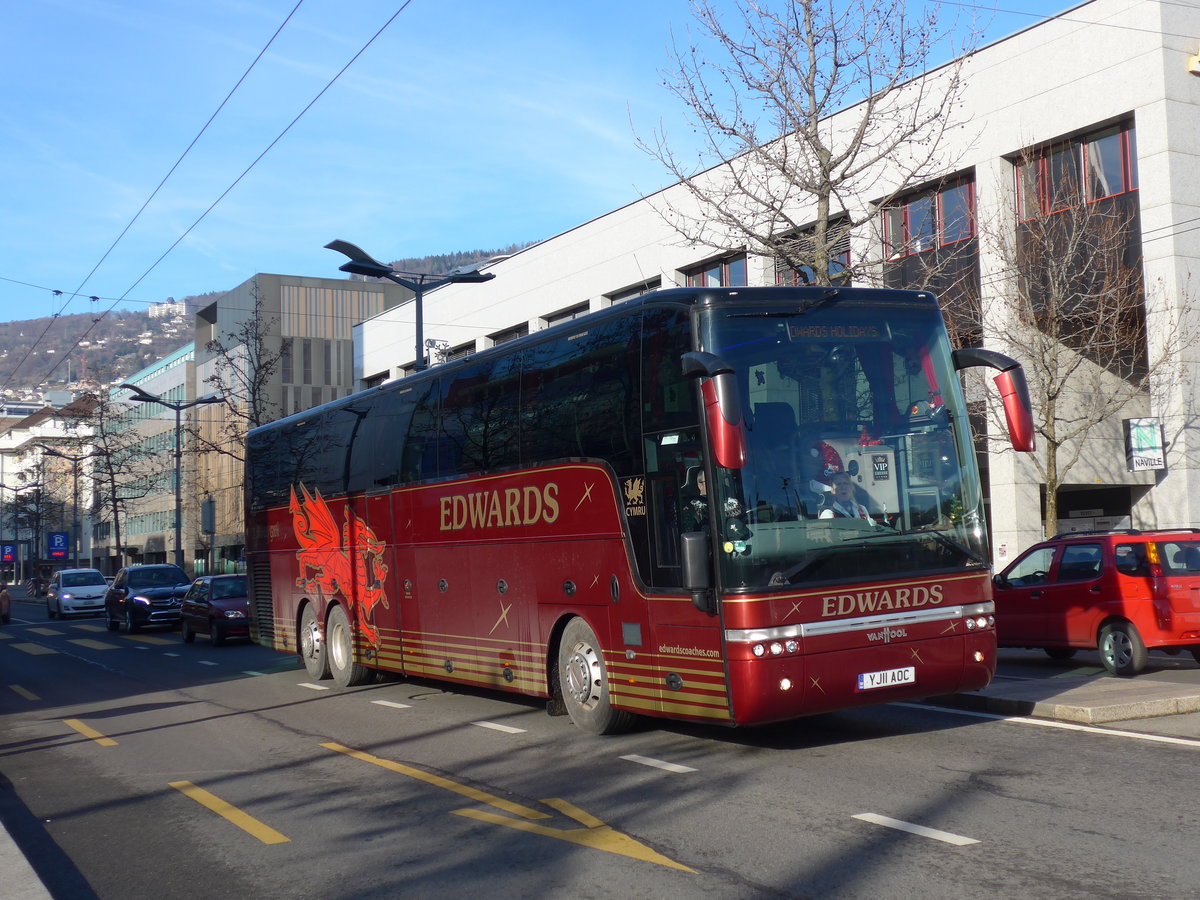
1039,167
904,245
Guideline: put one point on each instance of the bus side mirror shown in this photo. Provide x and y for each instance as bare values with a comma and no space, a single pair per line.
1014,392
722,407
697,570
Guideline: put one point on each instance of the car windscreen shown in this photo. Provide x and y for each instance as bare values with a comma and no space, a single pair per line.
228,587
83,579
164,577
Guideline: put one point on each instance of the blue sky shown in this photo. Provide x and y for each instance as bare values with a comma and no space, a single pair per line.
465,125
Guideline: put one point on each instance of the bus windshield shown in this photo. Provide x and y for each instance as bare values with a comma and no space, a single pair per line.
858,452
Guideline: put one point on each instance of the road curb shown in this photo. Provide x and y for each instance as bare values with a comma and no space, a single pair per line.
1088,702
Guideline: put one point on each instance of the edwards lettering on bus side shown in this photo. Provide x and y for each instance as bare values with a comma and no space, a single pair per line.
504,508
883,600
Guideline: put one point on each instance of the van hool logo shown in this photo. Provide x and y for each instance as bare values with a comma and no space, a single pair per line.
887,635
882,600
499,509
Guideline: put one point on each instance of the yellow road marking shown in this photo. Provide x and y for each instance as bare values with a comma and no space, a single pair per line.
93,644
24,692
149,639
91,628
89,732
34,649
49,632
7,637
594,833
439,781
232,814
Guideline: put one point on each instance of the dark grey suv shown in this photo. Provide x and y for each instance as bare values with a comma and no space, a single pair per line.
145,595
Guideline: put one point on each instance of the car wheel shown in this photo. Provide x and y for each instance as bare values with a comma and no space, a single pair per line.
583,679
339,639
216,633
109,622
131,627
1121,649
312,645
49,609
1060,652
185,632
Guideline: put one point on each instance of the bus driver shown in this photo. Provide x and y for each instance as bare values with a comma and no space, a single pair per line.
843,505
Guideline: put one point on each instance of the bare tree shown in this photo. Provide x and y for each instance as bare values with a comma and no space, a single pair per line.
122,469
246,361
788,177
1070,306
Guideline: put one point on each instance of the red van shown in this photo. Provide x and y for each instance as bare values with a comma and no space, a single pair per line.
1121,592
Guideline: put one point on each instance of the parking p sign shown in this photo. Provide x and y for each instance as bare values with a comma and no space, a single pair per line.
58,544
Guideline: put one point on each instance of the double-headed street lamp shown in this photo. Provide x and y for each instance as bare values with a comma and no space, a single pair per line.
144,397
363,264
74,459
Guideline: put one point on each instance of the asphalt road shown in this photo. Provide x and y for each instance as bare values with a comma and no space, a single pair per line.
139,766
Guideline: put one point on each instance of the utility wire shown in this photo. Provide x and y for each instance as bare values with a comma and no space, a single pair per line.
234,184
78,291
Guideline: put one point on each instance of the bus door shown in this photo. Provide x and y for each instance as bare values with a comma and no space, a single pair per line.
375,592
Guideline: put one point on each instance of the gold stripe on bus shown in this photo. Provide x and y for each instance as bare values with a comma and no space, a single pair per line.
696,711
465,674
464,642
691,691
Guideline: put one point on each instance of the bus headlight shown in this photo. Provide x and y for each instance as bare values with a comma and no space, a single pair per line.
759,650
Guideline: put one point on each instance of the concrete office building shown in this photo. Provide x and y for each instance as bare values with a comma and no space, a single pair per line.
1115,84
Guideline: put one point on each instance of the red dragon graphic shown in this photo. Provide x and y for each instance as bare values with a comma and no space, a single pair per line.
329,554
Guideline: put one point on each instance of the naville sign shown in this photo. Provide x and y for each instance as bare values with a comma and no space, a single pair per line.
1145,449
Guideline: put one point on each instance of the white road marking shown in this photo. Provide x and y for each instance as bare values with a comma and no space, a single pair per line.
944,836
205,662
1065,726
170,654
391,704
659,764
251,672
311,686
507,729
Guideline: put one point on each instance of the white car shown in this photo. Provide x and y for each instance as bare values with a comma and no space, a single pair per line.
76,592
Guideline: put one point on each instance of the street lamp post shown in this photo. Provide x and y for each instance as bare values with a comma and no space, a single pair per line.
144,397
363,264
75,460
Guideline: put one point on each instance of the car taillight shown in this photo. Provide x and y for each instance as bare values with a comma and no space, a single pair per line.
1153,558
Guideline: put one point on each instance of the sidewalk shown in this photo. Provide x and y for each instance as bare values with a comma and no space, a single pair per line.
1089,701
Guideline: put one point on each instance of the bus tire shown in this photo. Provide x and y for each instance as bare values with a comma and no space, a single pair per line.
1121,649
583,679
310,644
339,650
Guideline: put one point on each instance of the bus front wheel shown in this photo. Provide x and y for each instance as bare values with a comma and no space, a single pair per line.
312,645
583,678
339,642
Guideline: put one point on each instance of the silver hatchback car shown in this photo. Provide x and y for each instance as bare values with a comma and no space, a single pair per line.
75,592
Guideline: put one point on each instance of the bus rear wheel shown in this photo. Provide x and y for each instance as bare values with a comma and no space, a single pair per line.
312,645
339,639
583,678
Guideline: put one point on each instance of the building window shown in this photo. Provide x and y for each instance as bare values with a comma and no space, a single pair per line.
510,334
1091,167
566,315
930,219
729,272
634,291
798,276
460,351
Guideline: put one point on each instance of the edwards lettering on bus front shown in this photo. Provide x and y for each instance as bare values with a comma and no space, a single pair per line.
504,508
881,600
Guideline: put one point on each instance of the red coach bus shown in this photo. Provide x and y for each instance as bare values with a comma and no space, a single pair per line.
726,505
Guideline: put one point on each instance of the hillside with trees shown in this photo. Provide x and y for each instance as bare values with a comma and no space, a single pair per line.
55,352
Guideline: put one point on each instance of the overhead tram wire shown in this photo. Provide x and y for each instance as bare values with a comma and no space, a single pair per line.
78,292
225,193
